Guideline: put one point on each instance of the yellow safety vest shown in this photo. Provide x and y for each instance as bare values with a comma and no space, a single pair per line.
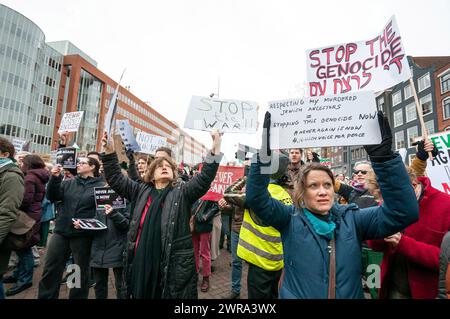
261,245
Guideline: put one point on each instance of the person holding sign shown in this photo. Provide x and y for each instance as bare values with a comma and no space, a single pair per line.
160,260
321,239
77,200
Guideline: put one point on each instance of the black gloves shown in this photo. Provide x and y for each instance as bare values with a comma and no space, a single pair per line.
130,154
265,145
421,154
382,152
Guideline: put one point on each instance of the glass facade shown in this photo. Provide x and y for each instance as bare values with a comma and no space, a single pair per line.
29,81
89,101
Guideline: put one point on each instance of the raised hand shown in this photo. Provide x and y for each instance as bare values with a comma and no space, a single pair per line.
107,147
383,151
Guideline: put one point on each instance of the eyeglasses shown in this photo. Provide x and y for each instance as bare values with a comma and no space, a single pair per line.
356,172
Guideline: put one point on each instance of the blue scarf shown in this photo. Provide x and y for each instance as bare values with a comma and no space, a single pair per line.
322,228
5,161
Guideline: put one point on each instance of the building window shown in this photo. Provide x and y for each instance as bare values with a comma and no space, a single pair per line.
411,113
424,82
398,118
408,91
429,126
380,103
399,140
427,106
446,108
396,98
412,134
445,83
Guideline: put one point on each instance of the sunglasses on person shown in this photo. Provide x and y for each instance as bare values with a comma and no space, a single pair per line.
356,172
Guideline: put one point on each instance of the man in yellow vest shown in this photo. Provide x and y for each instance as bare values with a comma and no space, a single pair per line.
260,245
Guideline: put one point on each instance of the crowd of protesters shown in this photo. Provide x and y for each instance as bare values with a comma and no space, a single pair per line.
303,231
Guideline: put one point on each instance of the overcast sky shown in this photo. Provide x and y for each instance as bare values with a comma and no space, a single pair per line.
174,49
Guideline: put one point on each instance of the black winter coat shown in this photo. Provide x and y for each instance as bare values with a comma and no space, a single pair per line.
108,246
77,201
179,276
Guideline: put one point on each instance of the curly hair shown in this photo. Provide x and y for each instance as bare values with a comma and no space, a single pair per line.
150,174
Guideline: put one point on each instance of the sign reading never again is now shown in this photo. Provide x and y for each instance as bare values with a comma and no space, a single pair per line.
338,120
231,116
438,169
372,65
226,175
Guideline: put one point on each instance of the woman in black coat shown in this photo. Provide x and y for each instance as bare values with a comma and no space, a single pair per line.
77,200
160,259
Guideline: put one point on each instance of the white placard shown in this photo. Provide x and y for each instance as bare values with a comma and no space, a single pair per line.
438,170
372,65
150,143
232,116
338,120
18,144
71,122
126,132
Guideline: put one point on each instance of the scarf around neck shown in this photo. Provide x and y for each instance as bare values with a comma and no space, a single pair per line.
321,227
145,271
5,161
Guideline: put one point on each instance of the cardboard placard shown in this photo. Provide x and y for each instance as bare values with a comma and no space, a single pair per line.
67,157
232,116
371,65
126,133
438,169
107,196
70,122
150,143
340,120
226,175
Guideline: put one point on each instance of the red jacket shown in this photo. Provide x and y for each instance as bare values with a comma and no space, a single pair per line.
420,244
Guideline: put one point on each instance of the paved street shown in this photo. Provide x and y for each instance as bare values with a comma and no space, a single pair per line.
220,285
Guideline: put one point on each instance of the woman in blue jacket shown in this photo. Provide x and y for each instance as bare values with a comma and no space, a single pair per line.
321,239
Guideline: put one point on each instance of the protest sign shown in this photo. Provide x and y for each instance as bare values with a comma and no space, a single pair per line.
226,175
150,143
207,114
339,120
126,132
438,169
325,162
107,196
70,122
66,157
109,118
371,65
18,144
90,224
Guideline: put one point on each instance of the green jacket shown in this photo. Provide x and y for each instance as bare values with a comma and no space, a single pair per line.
11,196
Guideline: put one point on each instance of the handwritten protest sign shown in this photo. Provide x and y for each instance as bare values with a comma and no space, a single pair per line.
150,143
66,157
70,122
338,120
107,196
375,64
226,175
18,144
206,114
126,132
438,169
